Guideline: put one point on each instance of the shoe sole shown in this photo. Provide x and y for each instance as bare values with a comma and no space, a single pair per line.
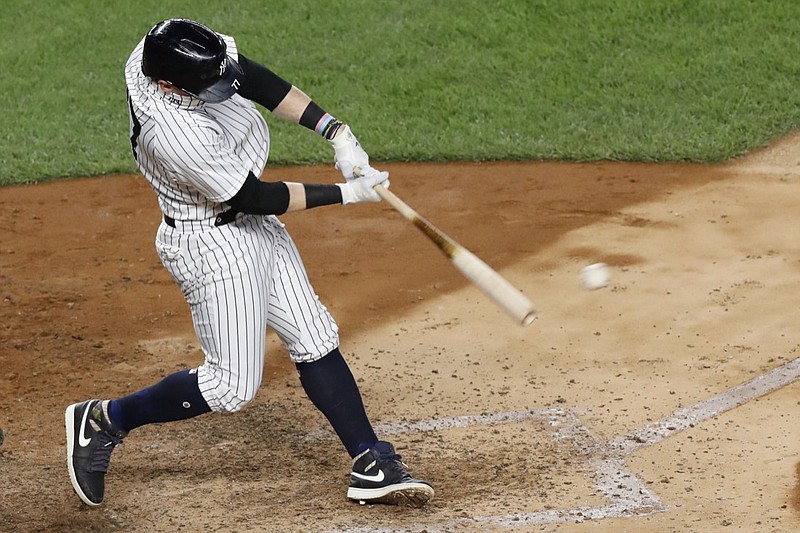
402,494
69,423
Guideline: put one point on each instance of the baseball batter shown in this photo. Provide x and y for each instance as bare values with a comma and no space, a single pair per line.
202,144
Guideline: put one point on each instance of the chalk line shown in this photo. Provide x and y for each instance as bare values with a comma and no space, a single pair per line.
628,495
716,405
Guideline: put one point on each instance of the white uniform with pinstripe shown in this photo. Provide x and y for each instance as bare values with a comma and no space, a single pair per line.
240,277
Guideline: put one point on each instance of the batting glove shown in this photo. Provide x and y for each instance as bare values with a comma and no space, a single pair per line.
348,153
361,188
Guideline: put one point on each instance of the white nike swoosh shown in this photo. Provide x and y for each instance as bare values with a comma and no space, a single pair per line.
82,441
376,478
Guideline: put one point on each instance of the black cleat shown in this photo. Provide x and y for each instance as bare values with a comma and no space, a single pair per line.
90,440
380,476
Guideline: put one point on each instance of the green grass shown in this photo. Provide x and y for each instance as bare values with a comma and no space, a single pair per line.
644,80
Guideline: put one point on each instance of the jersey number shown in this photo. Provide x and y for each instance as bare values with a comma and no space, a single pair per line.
136,127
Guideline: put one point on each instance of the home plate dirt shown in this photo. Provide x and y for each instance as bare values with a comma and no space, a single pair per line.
664,401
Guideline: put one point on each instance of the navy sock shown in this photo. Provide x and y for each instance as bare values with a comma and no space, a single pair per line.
176,397
332,389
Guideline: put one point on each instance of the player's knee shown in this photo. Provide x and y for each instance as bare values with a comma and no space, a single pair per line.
230,400
221,396
235,402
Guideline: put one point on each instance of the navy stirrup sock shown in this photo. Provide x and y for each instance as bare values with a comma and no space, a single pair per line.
332,389
176,397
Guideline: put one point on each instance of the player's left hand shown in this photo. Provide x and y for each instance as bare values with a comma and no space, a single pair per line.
348,153
362,188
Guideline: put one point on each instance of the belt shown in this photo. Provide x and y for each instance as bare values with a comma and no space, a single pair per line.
226,217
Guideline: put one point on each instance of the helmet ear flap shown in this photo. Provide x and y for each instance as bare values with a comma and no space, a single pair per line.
192,57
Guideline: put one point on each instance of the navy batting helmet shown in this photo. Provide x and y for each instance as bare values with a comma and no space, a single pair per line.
193,58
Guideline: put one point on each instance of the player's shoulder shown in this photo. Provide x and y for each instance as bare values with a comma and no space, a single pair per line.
136,82
134,63
230,44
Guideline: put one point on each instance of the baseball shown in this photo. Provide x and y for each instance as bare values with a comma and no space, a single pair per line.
595,276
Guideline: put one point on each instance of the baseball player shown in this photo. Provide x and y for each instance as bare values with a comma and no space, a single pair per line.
200,141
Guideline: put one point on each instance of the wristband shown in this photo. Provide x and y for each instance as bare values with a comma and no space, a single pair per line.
314,118
317,195
328,126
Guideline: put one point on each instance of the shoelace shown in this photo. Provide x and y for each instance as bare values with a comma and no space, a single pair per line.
394,463
395,458
101,456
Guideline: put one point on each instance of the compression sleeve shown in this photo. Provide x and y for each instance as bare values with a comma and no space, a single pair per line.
261,85
258,197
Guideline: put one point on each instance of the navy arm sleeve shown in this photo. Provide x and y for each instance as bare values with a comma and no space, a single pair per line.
261,85
258,197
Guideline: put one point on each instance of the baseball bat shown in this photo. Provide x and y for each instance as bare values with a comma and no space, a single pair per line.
508,297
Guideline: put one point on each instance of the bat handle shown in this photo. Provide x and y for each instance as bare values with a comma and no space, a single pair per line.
399,205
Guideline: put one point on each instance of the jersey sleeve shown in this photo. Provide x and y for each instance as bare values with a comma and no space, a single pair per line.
198,156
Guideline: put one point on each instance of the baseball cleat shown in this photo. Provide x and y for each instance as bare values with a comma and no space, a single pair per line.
380,476
90,440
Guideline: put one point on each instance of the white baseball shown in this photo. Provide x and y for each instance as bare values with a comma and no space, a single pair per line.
595,276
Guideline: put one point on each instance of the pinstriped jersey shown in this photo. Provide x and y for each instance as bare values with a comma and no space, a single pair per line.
195,155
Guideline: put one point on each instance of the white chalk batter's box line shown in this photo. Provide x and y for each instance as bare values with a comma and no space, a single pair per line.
626,493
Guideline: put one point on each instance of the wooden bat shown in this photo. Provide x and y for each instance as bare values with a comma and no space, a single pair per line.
508,297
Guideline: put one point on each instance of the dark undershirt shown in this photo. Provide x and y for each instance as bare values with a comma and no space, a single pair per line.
261,85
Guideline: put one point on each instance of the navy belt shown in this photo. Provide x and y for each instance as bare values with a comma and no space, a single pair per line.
226,217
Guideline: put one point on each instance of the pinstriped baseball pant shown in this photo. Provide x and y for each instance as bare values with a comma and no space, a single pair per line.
239,279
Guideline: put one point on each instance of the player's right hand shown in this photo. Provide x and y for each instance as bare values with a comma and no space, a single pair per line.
362,188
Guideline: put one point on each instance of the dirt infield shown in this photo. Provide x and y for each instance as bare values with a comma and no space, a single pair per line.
620,409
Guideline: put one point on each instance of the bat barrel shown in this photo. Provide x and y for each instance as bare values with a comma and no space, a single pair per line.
495,286
508,297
